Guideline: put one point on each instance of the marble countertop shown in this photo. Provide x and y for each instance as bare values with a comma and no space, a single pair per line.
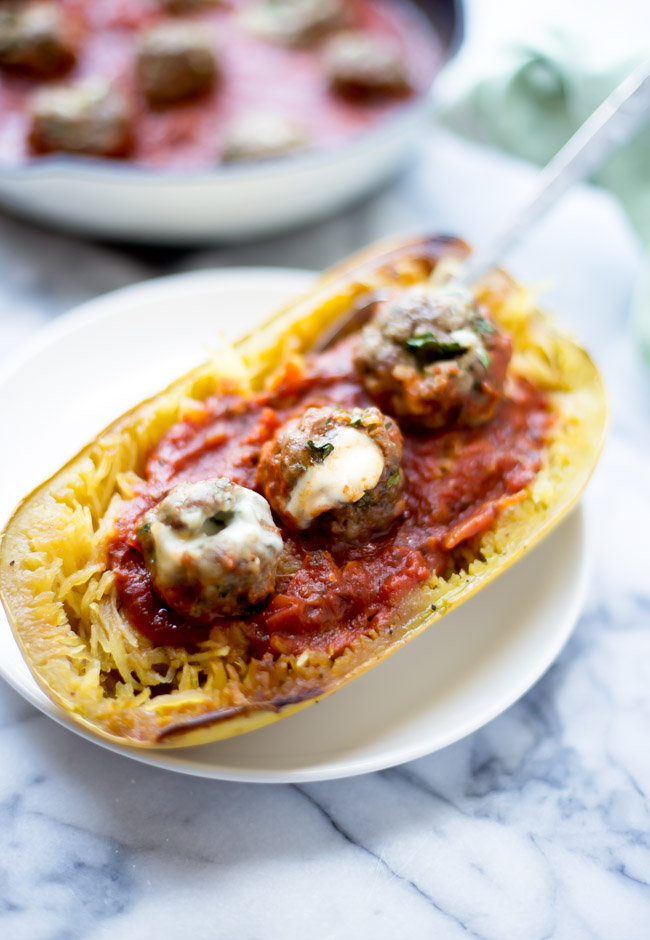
536,826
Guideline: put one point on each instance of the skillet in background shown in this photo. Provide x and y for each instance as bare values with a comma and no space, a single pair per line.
116,200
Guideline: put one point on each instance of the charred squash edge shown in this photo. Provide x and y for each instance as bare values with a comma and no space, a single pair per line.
546,354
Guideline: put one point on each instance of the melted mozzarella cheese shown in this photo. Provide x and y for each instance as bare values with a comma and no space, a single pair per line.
350,470
249,533
465,337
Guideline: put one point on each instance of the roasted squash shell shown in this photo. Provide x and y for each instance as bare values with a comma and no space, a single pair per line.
60,596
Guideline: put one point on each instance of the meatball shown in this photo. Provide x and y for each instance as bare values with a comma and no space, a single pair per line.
187,6
342,468
37,38
359,65
433,358
90,118
212,548
294,22
262,136
176,62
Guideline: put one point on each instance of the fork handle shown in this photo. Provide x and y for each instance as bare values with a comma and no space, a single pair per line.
610,126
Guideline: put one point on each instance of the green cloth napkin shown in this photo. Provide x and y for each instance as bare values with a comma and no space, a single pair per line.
531,96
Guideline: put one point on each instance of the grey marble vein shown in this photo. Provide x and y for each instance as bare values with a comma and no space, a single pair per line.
383,864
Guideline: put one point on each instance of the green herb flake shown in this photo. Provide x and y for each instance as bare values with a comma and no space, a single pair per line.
484,326
363,502
319,451
358,419
484,358
429,344
393,479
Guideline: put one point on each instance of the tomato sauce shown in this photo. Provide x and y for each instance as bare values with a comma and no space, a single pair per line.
257,75
329,591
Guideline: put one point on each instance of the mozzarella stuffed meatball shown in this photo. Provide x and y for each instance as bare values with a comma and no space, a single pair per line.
176,62
38,38
434,358
359,66
211,548
294,22
340,468
91,118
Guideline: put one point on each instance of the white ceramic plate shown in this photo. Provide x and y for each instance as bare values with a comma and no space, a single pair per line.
107,355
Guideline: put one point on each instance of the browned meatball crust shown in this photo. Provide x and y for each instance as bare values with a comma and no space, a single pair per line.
363,66
38,38
434,358
176,62
339,468
90,118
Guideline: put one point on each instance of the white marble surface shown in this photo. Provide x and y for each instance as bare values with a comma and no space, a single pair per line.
537,826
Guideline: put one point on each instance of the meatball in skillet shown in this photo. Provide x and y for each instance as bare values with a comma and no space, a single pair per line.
176,62
363,66
433,358
90,118
262,136
38,38
339,468
188,6
294,22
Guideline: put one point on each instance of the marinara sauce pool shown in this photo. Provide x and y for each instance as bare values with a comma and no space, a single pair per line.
328,592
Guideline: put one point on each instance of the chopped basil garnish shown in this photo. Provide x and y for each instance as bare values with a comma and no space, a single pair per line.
393,479
363,502
356,421
483,326
484,358
430,345
319,451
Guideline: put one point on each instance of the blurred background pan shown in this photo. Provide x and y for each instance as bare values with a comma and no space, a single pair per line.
118,200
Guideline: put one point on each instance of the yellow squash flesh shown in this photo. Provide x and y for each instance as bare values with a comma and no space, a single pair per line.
60,596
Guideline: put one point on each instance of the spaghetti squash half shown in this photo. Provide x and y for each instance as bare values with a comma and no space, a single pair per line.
429,506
